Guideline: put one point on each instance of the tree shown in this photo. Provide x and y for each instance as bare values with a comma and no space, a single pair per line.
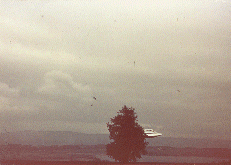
128,137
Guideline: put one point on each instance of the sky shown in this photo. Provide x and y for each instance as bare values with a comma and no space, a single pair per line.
170,60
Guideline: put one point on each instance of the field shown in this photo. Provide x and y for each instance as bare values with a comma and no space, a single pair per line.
15,162
95,154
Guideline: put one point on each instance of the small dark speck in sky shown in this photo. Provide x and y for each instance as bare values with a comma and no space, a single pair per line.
6,131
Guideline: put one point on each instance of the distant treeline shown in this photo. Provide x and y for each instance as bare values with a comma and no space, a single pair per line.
74,148
152,150
198,152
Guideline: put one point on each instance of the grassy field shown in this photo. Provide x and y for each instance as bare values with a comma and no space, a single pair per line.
91,154
27,162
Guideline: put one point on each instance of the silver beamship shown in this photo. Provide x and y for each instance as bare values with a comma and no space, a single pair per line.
150,133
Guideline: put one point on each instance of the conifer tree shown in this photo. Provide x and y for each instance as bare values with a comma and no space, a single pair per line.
128,137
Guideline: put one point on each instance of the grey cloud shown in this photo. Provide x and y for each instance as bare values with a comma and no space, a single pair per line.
7,91
57,82
52,65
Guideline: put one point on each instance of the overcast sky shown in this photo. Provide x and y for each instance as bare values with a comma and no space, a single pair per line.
170,60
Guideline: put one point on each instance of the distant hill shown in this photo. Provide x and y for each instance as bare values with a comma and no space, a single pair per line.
53,138
48,138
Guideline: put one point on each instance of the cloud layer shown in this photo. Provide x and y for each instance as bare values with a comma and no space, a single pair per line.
168,60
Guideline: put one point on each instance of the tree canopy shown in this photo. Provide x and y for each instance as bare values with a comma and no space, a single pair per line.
128,137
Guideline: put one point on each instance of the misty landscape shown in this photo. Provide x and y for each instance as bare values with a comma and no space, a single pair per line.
68,67
49,138
72,146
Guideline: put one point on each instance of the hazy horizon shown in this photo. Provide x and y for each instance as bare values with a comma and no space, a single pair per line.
169,60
